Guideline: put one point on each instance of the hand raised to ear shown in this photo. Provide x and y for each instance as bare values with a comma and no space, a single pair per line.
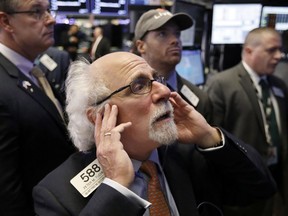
111,155
191,125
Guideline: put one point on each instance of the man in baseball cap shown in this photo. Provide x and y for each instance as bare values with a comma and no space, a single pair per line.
157,40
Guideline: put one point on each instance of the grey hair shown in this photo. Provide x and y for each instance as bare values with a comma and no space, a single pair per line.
83,89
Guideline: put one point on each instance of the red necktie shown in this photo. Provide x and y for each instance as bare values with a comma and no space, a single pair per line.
155,195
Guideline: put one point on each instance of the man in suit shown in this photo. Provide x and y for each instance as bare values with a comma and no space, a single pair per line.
237,104
55,63
131,115
100,45
157,40
33,136
72,41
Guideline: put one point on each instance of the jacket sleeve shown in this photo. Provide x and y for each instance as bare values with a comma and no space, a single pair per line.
244,175
105,201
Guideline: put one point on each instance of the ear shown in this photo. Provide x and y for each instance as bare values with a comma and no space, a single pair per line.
140,45
91,114
248,50
4,22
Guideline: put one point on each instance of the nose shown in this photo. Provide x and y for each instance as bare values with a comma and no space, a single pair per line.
174,39
49,18
278,55
160,92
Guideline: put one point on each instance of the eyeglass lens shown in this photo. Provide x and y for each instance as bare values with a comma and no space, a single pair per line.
141,86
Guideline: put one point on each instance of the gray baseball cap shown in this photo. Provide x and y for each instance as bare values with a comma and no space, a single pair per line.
154,19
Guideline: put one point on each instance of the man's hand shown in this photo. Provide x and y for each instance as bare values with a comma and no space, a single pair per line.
192,126
115,161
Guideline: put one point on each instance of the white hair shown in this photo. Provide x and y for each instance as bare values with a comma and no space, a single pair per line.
82,91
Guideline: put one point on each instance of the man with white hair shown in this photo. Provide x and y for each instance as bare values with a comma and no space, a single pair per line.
123,119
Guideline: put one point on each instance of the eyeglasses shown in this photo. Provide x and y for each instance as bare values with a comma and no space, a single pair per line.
138,86
40,14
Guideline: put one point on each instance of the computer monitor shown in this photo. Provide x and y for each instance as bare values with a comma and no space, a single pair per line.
192,36
191,67
110,8
70,7
232,22
275,17
144,2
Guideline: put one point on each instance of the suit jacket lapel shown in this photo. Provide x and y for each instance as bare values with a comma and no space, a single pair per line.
180,184
26,85
39,96
282,105
250,90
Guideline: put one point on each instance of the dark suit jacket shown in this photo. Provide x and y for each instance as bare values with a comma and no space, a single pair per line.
58,76
33,139
236,107
103,48
204,106
233,174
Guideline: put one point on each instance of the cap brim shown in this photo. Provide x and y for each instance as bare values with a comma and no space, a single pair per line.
183,20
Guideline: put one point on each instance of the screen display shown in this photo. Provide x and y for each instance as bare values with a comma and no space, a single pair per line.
144,2
275,17
232,22
109,8
70,6
191,67
193,35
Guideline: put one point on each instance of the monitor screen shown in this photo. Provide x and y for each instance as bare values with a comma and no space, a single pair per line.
232,22
192,36
70,7
275,17
191,67
109,8
144,2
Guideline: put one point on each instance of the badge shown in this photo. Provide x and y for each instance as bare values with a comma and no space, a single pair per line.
190,95
89,179
278,92
27,85
48,62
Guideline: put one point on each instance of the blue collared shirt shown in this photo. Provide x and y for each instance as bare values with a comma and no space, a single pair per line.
172,81
23,64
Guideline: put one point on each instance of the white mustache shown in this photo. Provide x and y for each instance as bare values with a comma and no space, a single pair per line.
165,108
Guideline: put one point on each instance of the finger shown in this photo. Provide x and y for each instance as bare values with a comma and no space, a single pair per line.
97,131
178,99
123,126
115,133
113,117
110,121
106,115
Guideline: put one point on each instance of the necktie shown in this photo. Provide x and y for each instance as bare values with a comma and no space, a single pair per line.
274,138
44,84
155,195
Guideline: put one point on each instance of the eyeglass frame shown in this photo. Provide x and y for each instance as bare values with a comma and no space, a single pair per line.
159,79
41,14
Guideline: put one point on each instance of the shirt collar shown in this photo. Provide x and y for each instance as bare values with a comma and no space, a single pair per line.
18,60
153,157
254,76
172,80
